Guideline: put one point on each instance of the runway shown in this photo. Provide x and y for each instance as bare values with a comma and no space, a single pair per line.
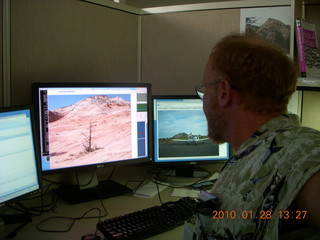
178,149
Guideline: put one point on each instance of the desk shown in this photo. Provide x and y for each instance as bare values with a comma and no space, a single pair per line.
115,206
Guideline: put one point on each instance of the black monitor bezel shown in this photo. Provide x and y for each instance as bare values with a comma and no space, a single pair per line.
36,151
37,85
187,162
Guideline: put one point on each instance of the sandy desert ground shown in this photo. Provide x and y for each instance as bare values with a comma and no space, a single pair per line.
110,128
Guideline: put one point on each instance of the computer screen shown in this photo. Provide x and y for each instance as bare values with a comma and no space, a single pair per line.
92,125
19,172
181,134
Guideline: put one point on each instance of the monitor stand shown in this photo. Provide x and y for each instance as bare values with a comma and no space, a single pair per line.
15,218
89,188
182,175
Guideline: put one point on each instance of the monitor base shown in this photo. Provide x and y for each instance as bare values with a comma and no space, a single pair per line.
105,189
15,218
182,176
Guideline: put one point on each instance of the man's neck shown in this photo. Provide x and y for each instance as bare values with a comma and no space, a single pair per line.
245,125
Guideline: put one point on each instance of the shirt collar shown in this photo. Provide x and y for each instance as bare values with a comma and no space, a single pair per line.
280,122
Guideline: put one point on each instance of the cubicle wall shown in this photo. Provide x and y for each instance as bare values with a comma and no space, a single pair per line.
70,41
176,44
76,41
313,14
311,99
1,54
176,47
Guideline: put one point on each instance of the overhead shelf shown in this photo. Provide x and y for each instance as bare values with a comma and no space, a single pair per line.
309,84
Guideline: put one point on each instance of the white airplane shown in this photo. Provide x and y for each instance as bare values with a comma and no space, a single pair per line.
192,139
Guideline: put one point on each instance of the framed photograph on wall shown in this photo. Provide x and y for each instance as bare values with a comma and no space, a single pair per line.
270,23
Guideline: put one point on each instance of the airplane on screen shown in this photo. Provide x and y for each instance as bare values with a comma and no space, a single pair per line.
192,139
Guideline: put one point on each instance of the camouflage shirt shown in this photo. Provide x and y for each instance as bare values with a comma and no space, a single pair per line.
261,180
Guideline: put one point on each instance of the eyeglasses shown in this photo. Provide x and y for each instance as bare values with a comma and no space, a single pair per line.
201,88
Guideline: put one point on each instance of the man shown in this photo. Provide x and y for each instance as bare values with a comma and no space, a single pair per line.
271,184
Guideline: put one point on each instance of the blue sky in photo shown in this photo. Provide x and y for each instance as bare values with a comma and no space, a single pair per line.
172,122
58,101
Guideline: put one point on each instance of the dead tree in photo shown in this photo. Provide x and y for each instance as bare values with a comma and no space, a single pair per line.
88,140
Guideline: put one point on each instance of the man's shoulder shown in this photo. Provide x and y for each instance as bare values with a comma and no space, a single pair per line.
299,144
287,126
299,135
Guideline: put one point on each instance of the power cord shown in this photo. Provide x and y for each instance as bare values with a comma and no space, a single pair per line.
71,220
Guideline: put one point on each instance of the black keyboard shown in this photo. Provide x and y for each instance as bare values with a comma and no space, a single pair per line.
148,222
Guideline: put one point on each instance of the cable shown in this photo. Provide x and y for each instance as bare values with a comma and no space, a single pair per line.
140,182
25,218
112,172
159,195
14,233
88,183
164,183
41,228
105,215
38,210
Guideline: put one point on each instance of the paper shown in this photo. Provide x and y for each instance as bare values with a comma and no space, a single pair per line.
214,176
184,192
205,196
148,190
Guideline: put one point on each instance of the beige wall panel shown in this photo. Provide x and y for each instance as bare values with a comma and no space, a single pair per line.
1,54
70,41
311,99
313,14
176,47
311,109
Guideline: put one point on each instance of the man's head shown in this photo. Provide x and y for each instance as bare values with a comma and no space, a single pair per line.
264,76
251,73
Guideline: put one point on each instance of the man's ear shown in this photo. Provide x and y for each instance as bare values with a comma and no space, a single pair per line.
224,93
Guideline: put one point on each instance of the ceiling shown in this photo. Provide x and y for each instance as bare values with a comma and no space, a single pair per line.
160,3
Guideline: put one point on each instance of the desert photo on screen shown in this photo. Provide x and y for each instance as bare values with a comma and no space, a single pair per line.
89,129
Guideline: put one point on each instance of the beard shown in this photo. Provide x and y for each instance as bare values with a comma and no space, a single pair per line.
215,126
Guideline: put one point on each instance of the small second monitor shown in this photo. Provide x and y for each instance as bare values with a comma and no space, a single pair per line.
19,170
181,132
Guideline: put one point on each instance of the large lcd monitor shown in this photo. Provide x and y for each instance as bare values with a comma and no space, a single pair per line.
85,126
181,134
19,169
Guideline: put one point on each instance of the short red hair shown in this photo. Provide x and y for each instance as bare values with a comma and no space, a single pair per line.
263,74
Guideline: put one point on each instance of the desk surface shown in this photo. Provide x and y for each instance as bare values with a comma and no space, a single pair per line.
115,206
